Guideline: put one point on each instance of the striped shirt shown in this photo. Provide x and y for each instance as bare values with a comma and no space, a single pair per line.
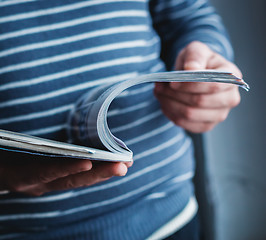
51,53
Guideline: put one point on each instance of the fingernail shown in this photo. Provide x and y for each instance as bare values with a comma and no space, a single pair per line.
122,170
129,164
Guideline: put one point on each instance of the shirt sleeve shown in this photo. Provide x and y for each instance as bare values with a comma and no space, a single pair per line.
179,22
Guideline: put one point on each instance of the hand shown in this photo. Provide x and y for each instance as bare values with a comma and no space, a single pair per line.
39,177
198,107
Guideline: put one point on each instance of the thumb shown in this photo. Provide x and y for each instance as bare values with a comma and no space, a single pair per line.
193,64
196,56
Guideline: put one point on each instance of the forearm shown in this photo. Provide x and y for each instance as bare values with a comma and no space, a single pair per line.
179,23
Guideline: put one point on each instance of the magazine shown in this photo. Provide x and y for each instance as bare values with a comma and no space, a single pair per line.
102,144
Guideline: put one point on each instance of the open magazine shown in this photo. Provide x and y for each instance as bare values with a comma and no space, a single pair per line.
102,144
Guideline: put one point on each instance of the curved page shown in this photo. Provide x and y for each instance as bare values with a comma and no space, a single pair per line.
88,120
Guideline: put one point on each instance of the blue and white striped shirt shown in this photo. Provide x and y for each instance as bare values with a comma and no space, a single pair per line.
51,53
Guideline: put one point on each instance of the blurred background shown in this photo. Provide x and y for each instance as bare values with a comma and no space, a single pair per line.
236,149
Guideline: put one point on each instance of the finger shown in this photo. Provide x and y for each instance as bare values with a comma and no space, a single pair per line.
225,99
218,62
196,127
101,171
177,110
183,64
201,87
97,174
198,56
129,164
47,172
192,126
110,169
193,87
31,175
194,56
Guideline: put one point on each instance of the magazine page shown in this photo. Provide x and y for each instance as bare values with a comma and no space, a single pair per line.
88,120
27,144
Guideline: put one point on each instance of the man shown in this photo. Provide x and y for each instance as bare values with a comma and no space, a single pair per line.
54,51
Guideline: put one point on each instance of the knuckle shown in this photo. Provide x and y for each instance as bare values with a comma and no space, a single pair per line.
70,183
14,188
36,193
43,178
208,127
188,113
32,179
110,172
177,121
223,116
213,88
196,44
198,100
49,176
115,169
198,47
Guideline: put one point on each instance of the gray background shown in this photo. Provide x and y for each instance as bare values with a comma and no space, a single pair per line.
236,149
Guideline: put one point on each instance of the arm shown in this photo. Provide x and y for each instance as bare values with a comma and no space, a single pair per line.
179,23
194,31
